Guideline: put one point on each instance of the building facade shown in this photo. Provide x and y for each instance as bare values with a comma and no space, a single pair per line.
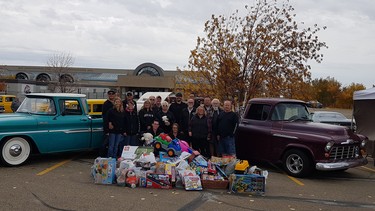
94,82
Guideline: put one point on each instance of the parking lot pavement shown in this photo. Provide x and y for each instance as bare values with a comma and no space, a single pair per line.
70,187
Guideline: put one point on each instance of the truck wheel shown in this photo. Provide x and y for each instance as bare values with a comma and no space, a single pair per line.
297,163
171,153
158,145
15,151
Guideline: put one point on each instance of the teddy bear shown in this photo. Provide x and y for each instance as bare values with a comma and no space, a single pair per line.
131,179
165,120
148,138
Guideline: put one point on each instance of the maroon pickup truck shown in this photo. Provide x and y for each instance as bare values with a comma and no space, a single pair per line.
280,130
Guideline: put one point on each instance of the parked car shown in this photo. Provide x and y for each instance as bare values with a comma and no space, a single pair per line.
314,104
95,107
48,123
334,118
6,102
279,130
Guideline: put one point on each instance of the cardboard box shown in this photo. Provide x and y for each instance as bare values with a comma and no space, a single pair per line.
193,183
128,152
104,170
253,183
135,152
161,181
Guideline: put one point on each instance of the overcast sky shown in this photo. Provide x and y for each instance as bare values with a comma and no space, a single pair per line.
126,33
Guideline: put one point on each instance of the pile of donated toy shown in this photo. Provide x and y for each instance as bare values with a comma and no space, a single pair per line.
165,164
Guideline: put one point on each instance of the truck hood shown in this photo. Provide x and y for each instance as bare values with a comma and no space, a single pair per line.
17,122
333,132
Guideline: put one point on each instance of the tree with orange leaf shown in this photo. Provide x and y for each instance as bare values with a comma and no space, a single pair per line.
263,53
345,99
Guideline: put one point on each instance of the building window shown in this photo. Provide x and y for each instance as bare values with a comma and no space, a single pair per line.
149,71
43,77
66,78
22,76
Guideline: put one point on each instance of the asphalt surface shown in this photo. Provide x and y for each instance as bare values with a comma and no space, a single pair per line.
69,186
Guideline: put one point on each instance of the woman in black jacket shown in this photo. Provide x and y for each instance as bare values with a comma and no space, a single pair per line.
146,117
165,117
116,128
199,131
176,133
131,126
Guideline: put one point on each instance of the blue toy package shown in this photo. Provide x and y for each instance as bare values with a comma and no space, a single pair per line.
253,183
200,161
104,170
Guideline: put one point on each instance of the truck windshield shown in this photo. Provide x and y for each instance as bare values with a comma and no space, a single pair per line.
41,106
290,112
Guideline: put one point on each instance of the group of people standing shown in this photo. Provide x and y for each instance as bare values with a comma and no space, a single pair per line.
207,127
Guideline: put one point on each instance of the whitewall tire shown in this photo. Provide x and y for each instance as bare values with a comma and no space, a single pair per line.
15,151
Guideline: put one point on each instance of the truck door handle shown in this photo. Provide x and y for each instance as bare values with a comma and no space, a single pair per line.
84,120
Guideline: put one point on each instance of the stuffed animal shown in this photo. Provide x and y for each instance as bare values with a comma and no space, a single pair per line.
148,138
121,176
131,179
165,120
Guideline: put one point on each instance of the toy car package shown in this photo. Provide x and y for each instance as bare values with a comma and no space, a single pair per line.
193,183
104,170
161,181
241,183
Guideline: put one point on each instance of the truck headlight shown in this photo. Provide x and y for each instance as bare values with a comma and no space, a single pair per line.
329,146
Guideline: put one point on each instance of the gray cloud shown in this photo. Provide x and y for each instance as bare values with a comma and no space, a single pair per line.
126,33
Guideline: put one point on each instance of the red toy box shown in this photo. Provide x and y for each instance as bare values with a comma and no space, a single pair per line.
161,181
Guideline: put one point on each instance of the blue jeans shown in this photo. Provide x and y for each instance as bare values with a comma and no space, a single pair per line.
227,146
113,146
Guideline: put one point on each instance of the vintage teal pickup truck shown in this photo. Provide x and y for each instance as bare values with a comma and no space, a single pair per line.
48,123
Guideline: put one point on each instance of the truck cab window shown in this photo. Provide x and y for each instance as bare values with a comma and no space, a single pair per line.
258,112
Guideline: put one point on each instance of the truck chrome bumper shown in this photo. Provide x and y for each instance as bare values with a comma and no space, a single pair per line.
341,165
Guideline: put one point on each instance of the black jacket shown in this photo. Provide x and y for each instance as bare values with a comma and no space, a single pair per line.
132,123
199,127
186,118
117,119
179,136
146,118
170,116
153,133
125,104
107,105
215,115
176,109
227,124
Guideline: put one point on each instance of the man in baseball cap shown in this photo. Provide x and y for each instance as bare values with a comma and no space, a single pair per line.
108,104
111,92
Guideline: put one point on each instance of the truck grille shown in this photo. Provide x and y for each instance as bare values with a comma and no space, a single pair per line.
344,152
